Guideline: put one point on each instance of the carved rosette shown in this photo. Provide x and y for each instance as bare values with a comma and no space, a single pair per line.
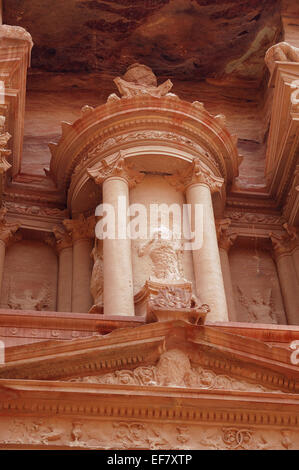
81,228
196,173
225,238
118,167
8,230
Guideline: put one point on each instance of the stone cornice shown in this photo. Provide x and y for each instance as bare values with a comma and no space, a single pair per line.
254,361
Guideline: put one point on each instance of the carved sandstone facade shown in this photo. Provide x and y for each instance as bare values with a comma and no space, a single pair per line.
204,331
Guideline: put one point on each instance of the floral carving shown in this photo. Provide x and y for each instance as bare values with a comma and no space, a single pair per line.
7,230
173,369
196,173
138,436
120,167
80,228
254,218
225,239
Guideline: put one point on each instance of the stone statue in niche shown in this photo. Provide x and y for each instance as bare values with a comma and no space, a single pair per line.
281,52
140,80
28,301
166,255
97,278
260,307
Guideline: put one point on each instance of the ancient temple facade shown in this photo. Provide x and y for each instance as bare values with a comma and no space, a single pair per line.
174,322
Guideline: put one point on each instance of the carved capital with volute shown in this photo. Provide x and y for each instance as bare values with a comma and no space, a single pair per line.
8,230
196,173
60,239
118,167
286,243
225,238
82,228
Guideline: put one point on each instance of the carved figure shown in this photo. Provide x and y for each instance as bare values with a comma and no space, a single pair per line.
165,255
30,302
140,80
260,308
97,278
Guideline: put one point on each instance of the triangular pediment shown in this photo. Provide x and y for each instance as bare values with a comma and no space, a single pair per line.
166,354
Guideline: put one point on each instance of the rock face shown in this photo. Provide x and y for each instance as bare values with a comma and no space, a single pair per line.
181,38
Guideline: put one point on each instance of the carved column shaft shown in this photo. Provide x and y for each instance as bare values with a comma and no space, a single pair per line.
117,176
7,236
224,246
295,255
289,286
82,266
82,232
118,276
65,279
207,267
2,260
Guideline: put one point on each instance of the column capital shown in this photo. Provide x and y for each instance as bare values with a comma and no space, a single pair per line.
117,167
196,173
60,239
286,243
8,230
82,228
225,238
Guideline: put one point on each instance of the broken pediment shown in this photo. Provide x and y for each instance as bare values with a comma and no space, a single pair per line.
173,369
166,354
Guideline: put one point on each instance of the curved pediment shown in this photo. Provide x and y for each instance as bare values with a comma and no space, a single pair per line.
148,125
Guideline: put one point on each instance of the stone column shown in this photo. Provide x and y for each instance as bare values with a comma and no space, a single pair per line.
287,277
199,183
64,248
117,177
225,242
295,254
82,232
292,235
7,236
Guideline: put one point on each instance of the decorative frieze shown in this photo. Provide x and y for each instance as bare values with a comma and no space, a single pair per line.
136,433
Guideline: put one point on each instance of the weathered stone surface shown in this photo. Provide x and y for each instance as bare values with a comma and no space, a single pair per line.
181,38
